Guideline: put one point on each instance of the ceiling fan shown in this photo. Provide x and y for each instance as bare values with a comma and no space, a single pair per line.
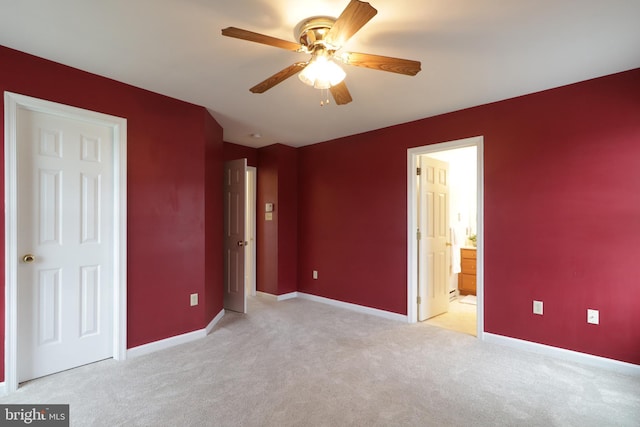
323,37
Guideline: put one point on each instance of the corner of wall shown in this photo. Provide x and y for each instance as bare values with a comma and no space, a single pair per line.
277,237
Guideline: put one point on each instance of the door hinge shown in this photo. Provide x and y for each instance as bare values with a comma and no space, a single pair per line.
419,300
418,171
418,235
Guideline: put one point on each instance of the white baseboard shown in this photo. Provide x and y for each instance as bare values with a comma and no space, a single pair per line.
354,307
282,297
152,347
214,322
285,297
174,341
267,296
561,353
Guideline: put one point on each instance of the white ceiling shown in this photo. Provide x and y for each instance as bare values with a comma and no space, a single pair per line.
472,52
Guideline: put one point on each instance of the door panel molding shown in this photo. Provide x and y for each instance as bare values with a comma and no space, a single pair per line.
412,224
14,102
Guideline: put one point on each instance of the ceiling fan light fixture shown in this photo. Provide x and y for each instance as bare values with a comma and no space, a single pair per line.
323,37
322,73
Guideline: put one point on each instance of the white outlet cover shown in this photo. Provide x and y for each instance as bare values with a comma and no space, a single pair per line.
537,307
593,316
194,299
315,274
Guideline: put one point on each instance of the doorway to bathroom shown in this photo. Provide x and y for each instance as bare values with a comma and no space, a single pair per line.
445,235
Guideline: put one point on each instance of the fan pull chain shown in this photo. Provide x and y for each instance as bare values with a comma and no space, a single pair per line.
324,95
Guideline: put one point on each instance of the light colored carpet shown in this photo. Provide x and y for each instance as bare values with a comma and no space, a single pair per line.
301,363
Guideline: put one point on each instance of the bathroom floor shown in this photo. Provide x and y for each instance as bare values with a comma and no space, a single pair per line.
461,316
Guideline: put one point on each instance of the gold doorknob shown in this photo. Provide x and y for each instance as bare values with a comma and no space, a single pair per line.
28,258
449,244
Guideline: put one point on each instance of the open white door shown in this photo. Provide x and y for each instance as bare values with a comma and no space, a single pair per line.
433,248
235,173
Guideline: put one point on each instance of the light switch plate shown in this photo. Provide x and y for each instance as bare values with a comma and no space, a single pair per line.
194,299
593,316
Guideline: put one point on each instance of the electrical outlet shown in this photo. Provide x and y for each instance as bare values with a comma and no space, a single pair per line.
315,274
194,299
537,307
593,316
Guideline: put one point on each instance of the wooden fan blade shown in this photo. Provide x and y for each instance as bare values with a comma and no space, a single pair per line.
278,77
383,63
260,38
356,14
341,94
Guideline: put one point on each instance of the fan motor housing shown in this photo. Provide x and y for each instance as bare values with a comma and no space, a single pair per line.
311,32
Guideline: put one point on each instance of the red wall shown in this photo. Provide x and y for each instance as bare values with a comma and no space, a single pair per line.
267,231
561,216
277,240
287,219
172,199
235,151
214,218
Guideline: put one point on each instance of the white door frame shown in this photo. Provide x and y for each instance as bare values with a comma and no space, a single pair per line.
412,225
250,212
12,103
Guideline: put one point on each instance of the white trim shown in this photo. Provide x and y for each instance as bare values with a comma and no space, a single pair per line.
166,343
3,389
152,347
412,224
354,307
561,353
335,303
282,297
120,241
267,296
12,103
251,210
214,322
285,297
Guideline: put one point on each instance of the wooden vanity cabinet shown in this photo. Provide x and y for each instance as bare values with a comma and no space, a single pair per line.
467,277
